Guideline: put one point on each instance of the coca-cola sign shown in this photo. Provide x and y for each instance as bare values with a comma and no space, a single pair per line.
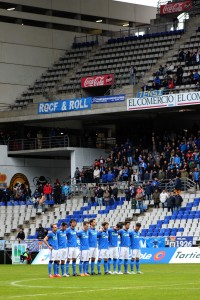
175,7
95,81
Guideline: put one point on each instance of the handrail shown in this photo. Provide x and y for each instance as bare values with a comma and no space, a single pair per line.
62,141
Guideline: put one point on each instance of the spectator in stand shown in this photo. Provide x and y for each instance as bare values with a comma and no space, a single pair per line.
36,198
178,201
178,184
104,177
77,175
196,77
110,176
133,191
41,233
21,235
170,202
96,175
127,193
170,69
179,74
156,83
100,193
85,192
196,178
91,194
156,198
171,84
125,173
181,56
163,198
47,191
115,192
57,192
66,191
140,198
148,191
107,196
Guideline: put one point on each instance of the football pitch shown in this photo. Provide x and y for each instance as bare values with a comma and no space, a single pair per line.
162,282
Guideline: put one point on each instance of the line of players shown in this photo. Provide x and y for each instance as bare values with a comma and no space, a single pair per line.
101,244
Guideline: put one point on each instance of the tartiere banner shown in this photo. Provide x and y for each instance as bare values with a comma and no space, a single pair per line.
175,7
96,81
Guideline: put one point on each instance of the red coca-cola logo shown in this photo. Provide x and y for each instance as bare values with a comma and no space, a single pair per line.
94,81
175,7
172,8
97,81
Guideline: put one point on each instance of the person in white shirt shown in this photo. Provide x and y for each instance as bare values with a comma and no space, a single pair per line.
163,197
96,175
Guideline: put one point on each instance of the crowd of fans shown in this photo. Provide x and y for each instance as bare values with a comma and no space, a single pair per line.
168,77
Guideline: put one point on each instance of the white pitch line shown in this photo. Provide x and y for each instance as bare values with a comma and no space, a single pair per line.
106,289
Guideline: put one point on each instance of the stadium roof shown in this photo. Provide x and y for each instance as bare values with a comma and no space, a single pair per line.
141,2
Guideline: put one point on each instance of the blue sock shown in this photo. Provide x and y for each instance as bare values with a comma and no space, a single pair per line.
58,265
114,264
62,268
67,267
87,266
55,267
84,267
125,265
132,265
109,264
49,267
105,266
99,266
137,263
74,267
92,266
81,267
119,265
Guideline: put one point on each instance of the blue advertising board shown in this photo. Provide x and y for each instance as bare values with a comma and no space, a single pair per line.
108,99
184,241
60,106
151,93
157,255
2,245
157,242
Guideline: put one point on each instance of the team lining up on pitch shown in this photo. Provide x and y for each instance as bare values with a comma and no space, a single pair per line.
101,244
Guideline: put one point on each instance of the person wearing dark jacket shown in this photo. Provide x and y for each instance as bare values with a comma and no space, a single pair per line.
170,202
148,191
156,198
115,192
40,232
100,193
21,235
177,184
178,201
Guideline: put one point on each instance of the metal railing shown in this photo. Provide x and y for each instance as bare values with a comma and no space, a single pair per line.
167,184
61,141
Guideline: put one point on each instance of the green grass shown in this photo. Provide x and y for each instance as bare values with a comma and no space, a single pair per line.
162,282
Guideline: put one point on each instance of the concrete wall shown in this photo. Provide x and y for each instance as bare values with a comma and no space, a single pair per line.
25,53
81,157
31,167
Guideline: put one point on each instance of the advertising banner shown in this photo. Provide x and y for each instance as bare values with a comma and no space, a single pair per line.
108,99
163,255
184,241
17,250
175,7
64,105
152,242
95,81
186,255
164,101
152,93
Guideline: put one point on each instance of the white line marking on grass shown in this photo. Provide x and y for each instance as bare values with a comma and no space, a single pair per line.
169,286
